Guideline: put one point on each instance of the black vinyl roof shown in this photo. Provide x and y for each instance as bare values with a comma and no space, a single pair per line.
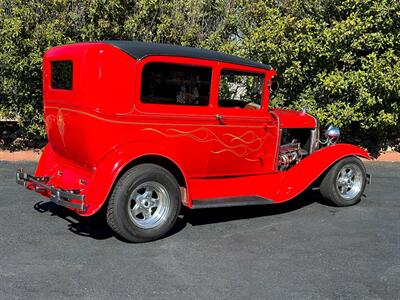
140,50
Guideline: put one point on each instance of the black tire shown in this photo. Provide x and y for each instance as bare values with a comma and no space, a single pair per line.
126,201
337,187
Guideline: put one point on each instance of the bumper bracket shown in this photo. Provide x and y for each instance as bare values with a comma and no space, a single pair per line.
57,195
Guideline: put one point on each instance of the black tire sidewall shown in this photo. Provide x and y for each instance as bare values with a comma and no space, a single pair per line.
328,187
132,179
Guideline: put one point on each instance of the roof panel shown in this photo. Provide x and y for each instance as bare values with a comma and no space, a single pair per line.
140,50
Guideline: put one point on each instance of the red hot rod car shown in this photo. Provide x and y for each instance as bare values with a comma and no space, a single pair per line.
143,128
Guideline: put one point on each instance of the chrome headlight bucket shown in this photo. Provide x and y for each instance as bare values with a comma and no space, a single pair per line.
332,135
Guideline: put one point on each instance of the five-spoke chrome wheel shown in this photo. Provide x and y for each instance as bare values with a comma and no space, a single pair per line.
148,205
344,183
144,204
349,181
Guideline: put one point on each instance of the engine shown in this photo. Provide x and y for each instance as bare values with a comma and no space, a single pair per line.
289,155
295,145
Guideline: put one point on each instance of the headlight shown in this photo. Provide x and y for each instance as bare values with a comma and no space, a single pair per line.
332,135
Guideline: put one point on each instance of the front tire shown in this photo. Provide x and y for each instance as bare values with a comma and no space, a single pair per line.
144,204
345,182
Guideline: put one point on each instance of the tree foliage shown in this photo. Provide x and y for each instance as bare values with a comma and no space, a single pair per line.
338,58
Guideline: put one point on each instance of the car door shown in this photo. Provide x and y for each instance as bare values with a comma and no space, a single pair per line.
174,110
246,133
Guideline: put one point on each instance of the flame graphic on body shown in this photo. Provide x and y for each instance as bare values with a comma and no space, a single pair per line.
242,146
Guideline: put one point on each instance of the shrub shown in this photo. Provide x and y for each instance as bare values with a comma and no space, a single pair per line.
340,59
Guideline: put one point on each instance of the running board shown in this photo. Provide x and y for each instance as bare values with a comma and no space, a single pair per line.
230,202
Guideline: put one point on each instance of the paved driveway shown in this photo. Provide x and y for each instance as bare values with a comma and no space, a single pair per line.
298,250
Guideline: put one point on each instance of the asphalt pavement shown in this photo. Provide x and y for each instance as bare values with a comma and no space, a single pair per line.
299,250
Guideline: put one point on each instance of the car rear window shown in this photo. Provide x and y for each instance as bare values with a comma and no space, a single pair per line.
61,75
164,83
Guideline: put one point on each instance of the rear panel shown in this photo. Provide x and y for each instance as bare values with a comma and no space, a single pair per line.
90,77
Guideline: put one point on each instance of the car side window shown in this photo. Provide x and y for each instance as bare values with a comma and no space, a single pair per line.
240,89
165,83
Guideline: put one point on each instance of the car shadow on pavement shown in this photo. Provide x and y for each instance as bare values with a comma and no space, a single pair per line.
96,226
93,227
218,215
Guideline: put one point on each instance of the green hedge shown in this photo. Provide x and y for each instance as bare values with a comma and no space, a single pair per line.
338,58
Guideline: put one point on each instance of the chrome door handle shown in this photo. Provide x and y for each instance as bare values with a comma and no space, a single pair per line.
219,118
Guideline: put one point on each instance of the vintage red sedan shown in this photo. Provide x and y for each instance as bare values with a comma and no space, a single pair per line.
141,129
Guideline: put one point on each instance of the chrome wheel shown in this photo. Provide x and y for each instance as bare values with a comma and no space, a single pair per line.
349,181
149,205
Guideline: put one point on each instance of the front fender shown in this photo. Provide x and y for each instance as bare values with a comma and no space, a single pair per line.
302,175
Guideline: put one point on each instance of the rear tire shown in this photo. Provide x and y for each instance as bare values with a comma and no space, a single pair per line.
345,182
144,204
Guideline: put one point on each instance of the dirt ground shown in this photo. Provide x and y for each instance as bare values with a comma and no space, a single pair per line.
20,155
35,155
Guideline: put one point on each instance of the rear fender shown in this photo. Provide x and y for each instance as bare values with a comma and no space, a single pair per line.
298,178
111,166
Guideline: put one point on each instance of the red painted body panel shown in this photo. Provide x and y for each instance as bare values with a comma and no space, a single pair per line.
101,126
278,186
294,119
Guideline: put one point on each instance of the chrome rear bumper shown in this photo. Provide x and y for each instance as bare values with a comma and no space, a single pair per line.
58,196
